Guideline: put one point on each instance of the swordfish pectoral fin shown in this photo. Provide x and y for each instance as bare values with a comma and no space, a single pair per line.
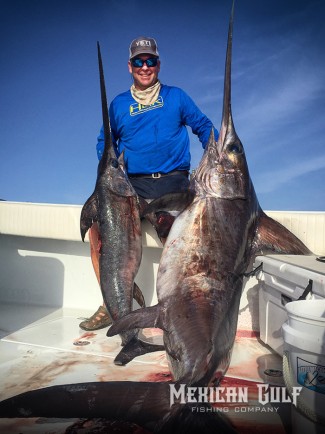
272,237
89,214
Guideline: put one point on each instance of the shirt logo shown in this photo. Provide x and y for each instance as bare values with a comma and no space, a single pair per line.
137,108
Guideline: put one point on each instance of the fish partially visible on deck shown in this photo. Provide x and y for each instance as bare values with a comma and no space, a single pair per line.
116,207
199,286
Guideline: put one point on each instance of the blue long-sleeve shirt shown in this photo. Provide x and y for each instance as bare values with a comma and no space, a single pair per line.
154,137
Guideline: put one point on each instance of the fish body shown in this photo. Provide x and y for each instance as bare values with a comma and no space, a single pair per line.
115,206
121,251
199,288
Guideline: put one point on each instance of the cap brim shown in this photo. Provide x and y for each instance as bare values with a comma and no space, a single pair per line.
137,53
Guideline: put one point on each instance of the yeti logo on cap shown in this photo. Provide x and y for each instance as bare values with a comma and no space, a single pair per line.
143,43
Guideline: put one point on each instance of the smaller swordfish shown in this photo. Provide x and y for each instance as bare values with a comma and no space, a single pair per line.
116,208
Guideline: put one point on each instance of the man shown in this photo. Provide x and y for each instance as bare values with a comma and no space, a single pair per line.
149,123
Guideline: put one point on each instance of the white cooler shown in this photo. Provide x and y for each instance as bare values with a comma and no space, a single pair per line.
282,279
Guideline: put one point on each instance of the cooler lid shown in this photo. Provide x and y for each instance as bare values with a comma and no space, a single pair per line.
298,269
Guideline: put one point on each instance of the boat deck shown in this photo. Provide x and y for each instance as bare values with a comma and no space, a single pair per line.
53,350
47,285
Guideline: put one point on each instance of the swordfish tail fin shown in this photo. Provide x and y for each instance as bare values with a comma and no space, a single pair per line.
141,318
135,348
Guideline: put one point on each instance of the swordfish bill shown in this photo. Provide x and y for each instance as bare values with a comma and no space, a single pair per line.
115,207
199,284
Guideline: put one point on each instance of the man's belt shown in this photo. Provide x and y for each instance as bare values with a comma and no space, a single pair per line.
159,175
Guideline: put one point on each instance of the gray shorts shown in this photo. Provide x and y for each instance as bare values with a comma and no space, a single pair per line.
151,188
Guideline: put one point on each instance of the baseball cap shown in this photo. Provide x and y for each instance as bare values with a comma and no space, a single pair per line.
143,45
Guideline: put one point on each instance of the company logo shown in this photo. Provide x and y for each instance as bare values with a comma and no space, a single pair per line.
137,109
143,43
216,395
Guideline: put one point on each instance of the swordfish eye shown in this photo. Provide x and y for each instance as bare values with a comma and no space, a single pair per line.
235,148
114,163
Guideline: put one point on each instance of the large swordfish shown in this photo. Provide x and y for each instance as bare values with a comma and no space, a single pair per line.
206,255
204,260
199,285
115,207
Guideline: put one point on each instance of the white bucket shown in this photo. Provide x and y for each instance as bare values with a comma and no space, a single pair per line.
304,355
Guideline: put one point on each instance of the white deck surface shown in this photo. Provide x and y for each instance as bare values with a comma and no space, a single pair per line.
47,284
43,354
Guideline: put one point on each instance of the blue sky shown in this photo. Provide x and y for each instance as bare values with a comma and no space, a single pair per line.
50,112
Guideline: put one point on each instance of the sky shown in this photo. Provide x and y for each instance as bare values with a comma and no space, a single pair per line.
50,109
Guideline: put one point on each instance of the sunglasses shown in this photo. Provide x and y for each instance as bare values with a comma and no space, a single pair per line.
138,63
